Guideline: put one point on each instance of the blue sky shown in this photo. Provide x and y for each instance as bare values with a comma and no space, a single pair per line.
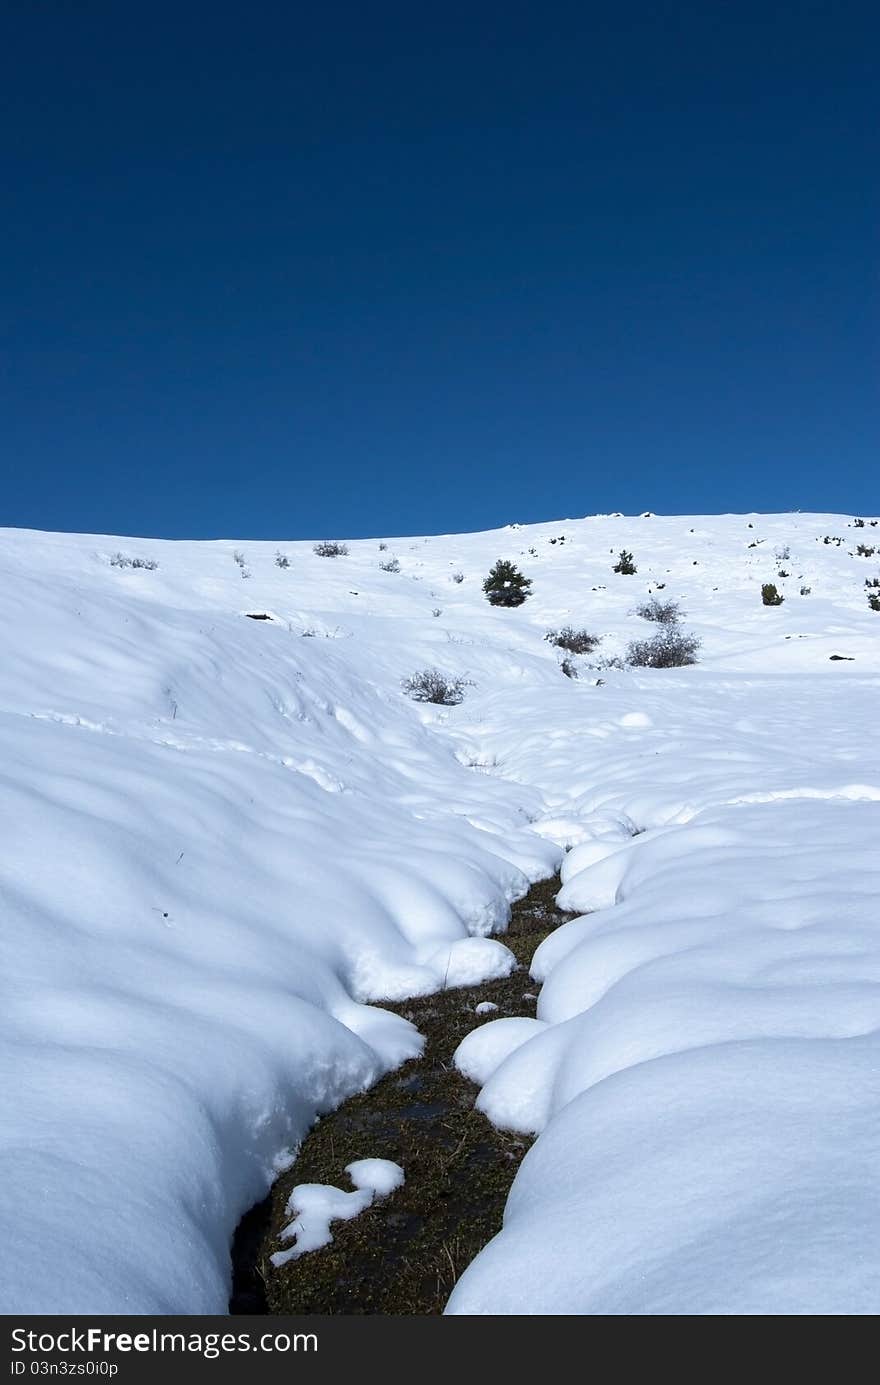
277,270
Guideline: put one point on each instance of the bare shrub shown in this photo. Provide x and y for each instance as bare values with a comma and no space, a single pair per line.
663,612
670,647
430,685
393,565
120,560
575,641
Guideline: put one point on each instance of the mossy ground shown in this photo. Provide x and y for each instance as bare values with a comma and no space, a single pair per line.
404,1254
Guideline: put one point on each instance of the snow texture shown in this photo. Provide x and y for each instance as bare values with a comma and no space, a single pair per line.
226,839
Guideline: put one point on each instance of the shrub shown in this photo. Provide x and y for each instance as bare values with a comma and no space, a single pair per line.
770,596
575,641
805,591
506,585
281,560
392,565
457,577
382,547
430,685
120,560
864,551
328,549
670,647
568,667
663,612
874,601
625,563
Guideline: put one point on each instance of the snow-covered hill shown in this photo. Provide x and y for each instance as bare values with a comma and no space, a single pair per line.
223,836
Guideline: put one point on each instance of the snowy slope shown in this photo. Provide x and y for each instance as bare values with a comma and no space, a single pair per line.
223,836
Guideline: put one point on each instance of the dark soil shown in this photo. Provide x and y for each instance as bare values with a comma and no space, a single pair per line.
405,1253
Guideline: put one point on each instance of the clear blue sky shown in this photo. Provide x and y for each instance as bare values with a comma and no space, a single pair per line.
288,270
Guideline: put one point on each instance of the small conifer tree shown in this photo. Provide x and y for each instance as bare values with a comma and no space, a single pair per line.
770,596
625,563
506,585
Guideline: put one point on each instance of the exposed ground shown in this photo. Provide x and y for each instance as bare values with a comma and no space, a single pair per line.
404,1253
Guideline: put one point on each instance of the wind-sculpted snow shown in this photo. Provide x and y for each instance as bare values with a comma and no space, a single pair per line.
223,837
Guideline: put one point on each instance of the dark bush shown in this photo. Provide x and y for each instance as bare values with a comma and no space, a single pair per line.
575,641
430,685
770,596
328,549
670,647
625,563
506,585
281,560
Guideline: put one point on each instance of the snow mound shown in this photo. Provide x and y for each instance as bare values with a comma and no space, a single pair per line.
481,1051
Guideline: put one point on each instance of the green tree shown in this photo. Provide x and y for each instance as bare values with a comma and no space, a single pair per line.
506,585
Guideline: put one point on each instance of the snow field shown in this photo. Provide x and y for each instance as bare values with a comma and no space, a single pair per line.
224,837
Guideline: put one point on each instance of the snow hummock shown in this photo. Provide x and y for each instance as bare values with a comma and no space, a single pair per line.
227,841
481,1051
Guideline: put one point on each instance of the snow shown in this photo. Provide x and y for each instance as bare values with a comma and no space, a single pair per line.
225,844
314,1206
378,1176
468,961
481,1051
